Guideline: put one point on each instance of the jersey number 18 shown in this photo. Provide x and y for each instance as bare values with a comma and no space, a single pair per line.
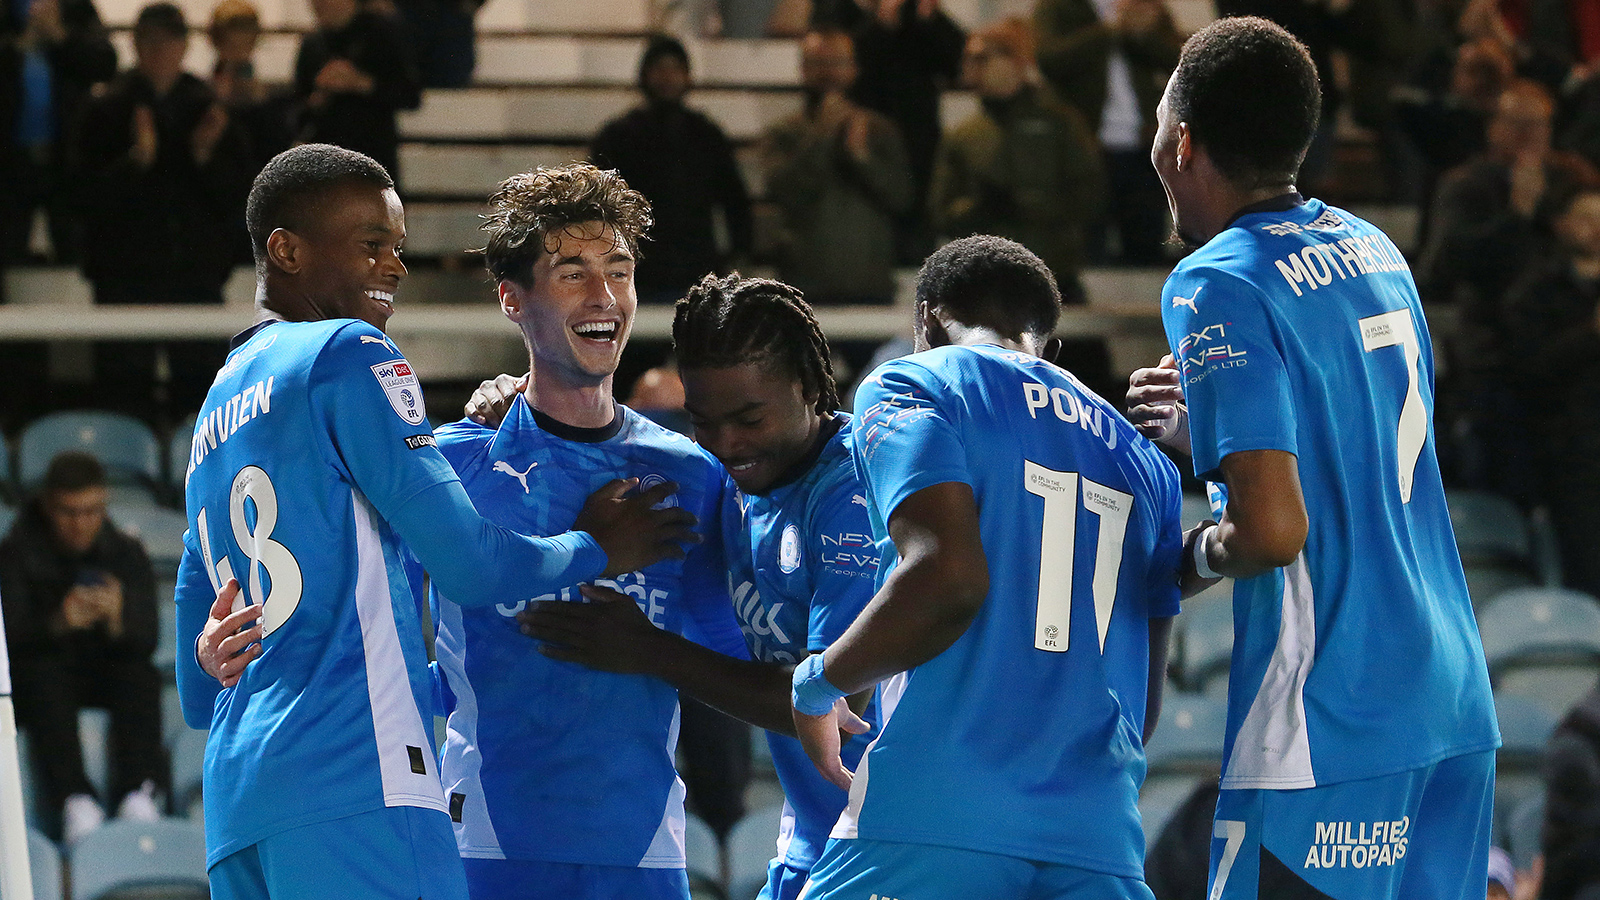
266,555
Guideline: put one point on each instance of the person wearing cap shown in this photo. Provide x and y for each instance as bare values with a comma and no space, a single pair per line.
683,162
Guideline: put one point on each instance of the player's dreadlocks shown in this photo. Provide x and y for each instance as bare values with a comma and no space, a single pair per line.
732,320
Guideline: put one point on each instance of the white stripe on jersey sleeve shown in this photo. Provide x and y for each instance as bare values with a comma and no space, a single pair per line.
401,742
1272,750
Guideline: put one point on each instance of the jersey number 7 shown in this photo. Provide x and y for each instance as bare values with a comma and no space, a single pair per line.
1388,330
266,555
1063,492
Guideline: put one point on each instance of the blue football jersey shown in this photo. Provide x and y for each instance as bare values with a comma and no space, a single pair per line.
1024,737
1300,330
801,566
548,760
311,442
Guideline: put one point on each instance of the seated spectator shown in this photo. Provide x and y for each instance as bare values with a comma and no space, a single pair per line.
162,173
681,161
1571,835
1024,166
1110,60
80,613
839,176
51,53
1552,337
352,75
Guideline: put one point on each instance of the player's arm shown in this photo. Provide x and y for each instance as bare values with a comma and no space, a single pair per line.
1264,525
214,642
1160,641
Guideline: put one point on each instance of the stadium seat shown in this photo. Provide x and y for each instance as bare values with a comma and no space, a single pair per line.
1204,645
124,445
751,845
701,849
1525,728
1160,798
1522,828
1487,581
1489,529
1196,508
122,854
8,515
1189,735
44,866
94,737
178,457
187,748
160,530
167,624
1542,644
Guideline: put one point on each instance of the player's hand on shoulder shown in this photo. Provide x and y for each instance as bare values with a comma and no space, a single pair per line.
229,640
610,632
1155,404
631,531
490,403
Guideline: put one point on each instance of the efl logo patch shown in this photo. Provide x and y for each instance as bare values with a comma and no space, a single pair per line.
400,385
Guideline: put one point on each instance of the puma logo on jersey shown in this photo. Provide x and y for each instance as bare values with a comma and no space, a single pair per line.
521,477
369,339
857,498
1188,301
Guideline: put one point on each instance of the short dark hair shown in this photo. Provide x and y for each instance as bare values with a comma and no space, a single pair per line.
287,186
166,18
526,210
659,46
1250,94
73,470
732,320
991,282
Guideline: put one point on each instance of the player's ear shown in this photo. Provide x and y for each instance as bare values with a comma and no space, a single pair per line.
932,329
1183,153
285,251
513,299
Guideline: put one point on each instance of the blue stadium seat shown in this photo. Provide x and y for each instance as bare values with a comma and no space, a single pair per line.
1160,798
1525,728
178,455
1522,832
160,530
1486,581
187,748
121,854
124,445
1489,528
1542,644
1205,637
1189,735
702,851
751,845
44,866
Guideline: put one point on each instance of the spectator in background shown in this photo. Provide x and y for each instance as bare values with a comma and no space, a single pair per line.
260,112
442,38
80,612
681,161
51,53
162,172
1571,834
1110,59
839,176
1552,337
1025,166
352,75
907,52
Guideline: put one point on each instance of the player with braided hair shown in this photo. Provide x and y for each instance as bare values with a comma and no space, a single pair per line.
759,388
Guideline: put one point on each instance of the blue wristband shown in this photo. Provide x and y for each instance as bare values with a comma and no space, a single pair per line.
813,694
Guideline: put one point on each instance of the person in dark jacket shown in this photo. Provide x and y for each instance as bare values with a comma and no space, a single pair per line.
681,160
161,172
353,74
1571,833
51,53
81,622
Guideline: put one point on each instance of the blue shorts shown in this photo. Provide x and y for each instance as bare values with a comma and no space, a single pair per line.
532,879
784,882
1421,834
396,852
857,869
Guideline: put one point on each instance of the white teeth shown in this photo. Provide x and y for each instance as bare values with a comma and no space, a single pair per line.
596,328
381,296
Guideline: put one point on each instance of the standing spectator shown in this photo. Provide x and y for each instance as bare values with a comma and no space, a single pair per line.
80,610
1570,837
1552,333
907,52
51,53
839,175
260,112
684,163
352,75
442,38
163,173
1110,59
1025,166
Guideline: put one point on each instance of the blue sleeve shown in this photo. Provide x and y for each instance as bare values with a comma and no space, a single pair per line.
194,595
845,564
1166,557
710,620
904,439
1234,378
371,405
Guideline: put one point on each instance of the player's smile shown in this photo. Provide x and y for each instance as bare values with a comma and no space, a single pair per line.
383,299
757,423
576,309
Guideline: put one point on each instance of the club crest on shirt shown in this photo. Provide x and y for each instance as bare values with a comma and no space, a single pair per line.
789,549
400,385
650,481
